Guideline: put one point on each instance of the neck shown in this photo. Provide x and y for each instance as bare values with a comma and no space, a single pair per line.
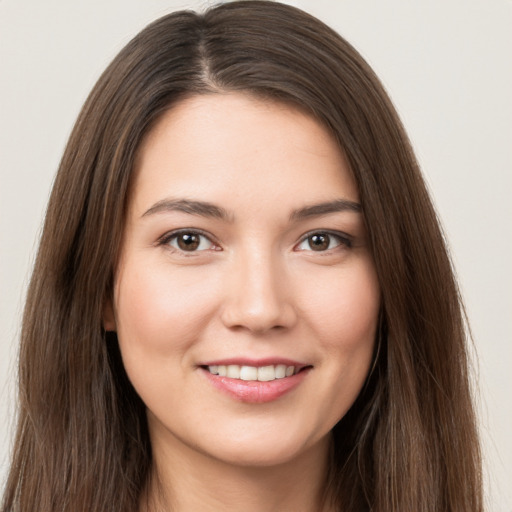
185,480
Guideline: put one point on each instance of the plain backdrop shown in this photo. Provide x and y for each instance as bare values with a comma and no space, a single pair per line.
447,67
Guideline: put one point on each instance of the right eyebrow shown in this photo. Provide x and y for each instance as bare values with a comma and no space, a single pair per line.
201,208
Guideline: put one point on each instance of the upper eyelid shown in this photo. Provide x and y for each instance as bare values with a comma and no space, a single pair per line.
332,232
175,232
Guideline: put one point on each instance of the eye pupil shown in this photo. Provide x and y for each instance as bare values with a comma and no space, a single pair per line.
188,242
319,242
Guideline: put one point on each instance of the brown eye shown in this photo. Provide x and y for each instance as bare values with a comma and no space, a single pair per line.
319,242
189,241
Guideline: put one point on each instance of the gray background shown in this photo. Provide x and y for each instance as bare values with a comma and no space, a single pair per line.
446,65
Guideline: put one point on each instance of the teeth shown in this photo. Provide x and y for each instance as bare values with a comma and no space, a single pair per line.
266,373
262,373
248,373
233,371
281,371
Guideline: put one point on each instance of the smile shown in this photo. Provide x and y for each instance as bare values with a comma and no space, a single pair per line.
253,381
253,373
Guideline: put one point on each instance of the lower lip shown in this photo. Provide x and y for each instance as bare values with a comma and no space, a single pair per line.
256,392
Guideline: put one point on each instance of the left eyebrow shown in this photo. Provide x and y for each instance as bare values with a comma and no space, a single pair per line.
338,205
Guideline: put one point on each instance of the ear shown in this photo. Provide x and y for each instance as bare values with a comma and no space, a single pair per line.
109,319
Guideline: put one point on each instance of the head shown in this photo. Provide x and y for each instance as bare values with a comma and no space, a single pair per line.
277,55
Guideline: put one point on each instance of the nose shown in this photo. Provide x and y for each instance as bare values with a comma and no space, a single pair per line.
258,298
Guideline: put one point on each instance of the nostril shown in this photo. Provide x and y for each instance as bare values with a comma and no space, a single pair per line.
272,318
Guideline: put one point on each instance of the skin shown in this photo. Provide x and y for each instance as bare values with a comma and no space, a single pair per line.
255,288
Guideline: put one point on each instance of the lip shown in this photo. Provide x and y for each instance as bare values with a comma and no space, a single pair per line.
255,392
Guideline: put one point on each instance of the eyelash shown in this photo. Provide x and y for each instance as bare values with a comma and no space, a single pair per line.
344,240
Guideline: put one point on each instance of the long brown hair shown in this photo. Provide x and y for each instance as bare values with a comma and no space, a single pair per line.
409,443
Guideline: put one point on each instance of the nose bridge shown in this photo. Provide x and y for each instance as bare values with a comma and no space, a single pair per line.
258,292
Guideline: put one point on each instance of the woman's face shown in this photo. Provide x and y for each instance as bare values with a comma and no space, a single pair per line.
246,299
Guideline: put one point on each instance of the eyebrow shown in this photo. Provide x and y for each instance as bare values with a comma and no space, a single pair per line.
338,205
206,209
202,208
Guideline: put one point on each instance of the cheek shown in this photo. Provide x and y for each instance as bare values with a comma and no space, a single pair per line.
344,308
159,316
344,315
158,311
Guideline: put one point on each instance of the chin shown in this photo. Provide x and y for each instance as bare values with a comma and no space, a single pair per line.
268,450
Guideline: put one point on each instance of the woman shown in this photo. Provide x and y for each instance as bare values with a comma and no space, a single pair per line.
242,296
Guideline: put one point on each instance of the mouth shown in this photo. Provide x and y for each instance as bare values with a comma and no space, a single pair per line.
256,383
256,373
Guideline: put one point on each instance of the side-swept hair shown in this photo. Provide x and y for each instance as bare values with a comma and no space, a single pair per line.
409,443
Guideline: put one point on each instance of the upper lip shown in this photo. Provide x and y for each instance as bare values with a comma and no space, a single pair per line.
246,361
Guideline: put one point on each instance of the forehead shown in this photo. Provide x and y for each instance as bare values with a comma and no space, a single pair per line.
236,150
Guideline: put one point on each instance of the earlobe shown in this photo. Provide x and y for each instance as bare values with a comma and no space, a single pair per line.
109,319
